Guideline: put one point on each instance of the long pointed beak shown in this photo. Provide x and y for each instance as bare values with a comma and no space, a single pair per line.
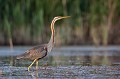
65,17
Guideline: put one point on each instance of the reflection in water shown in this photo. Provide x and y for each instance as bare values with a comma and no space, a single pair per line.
101,60
34,74
83,60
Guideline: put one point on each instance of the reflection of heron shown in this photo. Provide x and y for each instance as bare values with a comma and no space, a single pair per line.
40,51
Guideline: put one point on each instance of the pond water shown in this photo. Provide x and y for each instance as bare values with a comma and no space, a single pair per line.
87,62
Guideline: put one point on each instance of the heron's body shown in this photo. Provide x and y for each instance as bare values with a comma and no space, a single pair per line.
36,52
40,51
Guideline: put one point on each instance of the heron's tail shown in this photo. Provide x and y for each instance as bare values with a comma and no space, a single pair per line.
22,56
19,57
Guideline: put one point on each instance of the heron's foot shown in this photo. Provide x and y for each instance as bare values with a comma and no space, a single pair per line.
29,69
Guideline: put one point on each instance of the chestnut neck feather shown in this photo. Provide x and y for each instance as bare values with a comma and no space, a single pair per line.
52,39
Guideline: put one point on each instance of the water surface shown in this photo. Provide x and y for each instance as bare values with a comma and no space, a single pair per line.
63,63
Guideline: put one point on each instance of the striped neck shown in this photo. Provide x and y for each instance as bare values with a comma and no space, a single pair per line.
52,39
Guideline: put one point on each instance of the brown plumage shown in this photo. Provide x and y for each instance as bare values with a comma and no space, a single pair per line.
40,51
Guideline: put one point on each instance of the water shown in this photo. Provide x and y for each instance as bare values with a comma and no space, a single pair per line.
63,63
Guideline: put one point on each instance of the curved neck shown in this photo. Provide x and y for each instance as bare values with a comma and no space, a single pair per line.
52,39
53,32
52,28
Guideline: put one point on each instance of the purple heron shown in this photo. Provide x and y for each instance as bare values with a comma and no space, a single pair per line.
40,51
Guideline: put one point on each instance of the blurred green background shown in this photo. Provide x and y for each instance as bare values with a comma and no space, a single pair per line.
92,22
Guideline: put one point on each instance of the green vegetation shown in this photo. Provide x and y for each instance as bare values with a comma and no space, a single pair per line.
92,21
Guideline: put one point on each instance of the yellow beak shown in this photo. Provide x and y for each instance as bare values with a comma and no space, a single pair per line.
65,17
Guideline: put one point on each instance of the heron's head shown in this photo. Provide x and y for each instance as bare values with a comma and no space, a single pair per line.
60,17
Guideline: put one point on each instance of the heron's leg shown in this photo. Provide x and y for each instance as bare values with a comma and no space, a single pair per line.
37,68
31,64
36,64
